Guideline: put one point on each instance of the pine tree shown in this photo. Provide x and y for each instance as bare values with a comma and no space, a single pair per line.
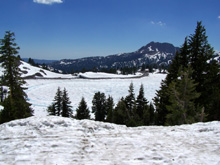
141,103
212,83
82,112
120,113
206,71
66,105
15,105
51,109
161,101
130,99
98,107
181,60
58,102
109,109
152,114
182,95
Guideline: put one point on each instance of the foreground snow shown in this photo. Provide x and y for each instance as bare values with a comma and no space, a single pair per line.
57,140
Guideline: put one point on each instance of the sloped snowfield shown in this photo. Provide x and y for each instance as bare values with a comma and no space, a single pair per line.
56,140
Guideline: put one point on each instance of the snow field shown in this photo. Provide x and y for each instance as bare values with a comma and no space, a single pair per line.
55,140
41,92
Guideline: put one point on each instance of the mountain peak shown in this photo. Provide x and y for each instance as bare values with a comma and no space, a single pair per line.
153,47
152,53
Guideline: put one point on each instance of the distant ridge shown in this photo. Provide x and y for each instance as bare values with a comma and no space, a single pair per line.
40,61
152,53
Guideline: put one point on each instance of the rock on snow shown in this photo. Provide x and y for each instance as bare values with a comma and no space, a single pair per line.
56,140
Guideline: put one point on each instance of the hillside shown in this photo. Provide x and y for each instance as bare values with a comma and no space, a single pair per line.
56,140
29,71
152,53
32,72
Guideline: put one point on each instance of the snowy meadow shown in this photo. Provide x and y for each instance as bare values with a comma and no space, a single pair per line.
41,92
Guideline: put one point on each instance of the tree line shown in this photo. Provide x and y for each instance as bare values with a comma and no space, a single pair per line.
191,91
131,110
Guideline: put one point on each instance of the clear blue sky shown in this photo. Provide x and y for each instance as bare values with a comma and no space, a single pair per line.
57,29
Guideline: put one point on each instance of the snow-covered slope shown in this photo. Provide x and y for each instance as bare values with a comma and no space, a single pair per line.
36,72
152,53
57,140
29,71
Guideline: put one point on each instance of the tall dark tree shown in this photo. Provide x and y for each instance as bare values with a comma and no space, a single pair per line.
161,101
141,103
58,102
51,109
15,105
206,71
82,112
182,95
99,106
212,93
109,109
152,114
66,105
120,113
130,99
200,52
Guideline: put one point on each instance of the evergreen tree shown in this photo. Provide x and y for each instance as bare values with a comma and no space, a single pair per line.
182,95
15,105
56,107
109,109
212,84
58,102
152,114
141,103
31,61
200,52
130,99
206,71
161,101
66,105
82,112
120,113
181,60
3,94
51,109
99,106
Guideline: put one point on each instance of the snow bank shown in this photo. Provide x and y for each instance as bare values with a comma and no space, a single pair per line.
101,75
56,140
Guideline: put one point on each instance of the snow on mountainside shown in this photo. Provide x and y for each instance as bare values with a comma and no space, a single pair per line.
152,53
32,71
56,140
29,71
